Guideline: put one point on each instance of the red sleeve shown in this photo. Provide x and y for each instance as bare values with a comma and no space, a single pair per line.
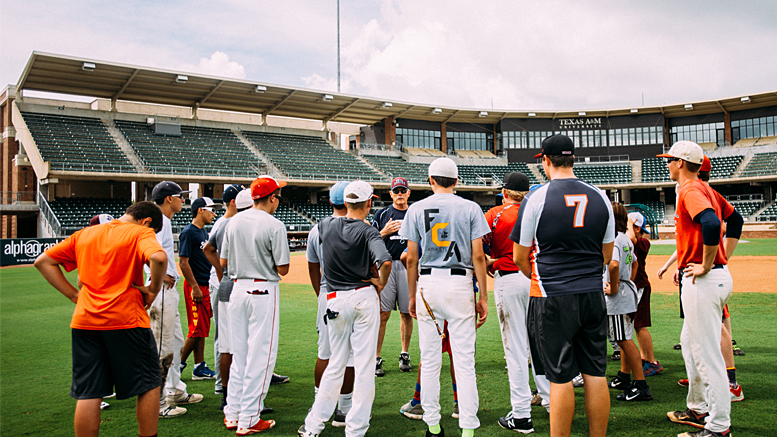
726,209
65,252
490,218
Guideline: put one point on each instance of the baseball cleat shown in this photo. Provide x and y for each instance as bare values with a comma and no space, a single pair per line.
441,434
230,424
301,432
339,420
261,425
511,423
379,367
184,398
651,369
415,413
634,393
683,382
688,417
278,379
536,399
104,405
455,413
618,384
706,433
736,393
404,362
737,351
616,356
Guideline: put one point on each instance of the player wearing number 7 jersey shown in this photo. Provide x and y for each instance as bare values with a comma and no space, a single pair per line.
569,224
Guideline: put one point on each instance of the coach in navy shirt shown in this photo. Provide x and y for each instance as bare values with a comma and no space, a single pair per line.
569,226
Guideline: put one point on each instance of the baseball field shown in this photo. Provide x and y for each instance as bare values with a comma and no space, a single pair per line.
35,364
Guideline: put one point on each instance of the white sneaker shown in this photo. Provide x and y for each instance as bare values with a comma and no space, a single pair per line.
578,381
171,411
184,398
104,405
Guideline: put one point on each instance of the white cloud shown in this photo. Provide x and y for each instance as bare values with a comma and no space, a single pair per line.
217,65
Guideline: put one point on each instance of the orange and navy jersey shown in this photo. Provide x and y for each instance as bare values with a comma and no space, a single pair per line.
693,198
501,219
566,221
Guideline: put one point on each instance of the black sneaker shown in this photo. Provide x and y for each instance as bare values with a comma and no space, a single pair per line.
511,423
688,417
441,434
634,393
619,384
404,362
278,379
737,351
339,419
616,356
677,347
379,367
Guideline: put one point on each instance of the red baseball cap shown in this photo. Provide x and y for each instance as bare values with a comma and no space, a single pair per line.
399,182
264,186
706,165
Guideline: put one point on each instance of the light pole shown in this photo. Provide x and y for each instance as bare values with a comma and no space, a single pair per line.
338,46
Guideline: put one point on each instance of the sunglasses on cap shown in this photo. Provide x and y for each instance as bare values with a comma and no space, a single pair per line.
399,190
668,160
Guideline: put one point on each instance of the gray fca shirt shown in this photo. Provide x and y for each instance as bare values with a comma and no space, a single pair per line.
350,248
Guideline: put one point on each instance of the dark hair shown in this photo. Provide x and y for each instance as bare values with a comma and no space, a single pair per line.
693,168
161,201
443,181
621,216
267,197
146,209
561,161
338,207
704,176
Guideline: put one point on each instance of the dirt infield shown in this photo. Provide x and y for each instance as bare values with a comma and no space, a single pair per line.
751,273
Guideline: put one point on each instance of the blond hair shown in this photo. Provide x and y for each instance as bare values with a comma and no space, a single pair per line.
514,195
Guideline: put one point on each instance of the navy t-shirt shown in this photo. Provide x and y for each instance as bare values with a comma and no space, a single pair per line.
190,244
394,243
566,221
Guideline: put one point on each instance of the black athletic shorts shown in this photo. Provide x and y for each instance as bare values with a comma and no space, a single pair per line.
568,335
124,360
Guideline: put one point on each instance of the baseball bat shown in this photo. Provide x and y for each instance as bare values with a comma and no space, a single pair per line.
431,313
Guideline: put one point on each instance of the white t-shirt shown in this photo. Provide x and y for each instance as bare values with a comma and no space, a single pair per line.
165,239
625,301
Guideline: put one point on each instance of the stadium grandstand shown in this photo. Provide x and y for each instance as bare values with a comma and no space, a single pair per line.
65,161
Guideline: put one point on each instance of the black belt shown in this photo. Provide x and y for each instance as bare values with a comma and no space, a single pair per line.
717,266
456,272
507,272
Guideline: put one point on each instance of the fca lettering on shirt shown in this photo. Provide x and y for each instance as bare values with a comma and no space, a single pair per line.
440,236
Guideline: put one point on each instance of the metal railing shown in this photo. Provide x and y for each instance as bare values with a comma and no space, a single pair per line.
49,217
382,147
17,197
334,178
251,171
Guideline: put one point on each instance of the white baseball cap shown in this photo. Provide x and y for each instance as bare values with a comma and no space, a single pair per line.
639,221
444,167
685,150
244,200
357,191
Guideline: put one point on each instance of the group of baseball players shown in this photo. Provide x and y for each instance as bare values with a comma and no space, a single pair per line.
563,257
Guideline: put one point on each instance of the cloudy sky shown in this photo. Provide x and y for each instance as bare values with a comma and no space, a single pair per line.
476,54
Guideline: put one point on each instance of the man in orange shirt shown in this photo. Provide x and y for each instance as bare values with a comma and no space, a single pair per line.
113,345
707,285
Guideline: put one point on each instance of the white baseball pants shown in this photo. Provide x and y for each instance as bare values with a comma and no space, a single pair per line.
708,389
324,348
450,298
254,314
511,295
354,329
214,304
169,339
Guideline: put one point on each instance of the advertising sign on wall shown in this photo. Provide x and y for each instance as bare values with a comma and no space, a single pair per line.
19,251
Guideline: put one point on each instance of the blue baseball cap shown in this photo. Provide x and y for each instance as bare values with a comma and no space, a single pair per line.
337,193
639,220
230,193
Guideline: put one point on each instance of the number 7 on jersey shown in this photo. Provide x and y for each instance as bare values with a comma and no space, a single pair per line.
579,201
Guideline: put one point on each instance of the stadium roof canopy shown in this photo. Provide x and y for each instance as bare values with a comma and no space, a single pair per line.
108,80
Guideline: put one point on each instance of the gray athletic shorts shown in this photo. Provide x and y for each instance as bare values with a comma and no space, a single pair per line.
396,293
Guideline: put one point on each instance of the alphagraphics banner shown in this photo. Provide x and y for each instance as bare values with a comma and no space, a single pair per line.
20,251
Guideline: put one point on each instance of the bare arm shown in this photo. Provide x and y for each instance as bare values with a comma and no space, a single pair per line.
672,259
188,274
479,262
282,270
607,251
314,272
158,264
213,256
614,278
53,274
521,259
731,245
412,274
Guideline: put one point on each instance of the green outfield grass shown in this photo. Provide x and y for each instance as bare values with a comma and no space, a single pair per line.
35,362
753,247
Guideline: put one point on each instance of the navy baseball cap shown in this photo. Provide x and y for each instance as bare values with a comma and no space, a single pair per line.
204,202
166,188
559,145
230,193
337,193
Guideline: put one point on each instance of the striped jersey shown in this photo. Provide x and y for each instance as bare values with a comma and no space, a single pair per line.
566,221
